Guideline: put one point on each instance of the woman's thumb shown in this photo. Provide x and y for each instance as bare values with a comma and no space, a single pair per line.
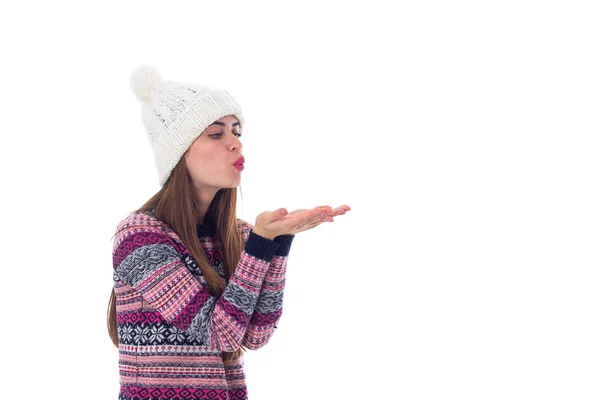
267,217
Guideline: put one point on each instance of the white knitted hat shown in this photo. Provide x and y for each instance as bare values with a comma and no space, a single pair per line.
175,114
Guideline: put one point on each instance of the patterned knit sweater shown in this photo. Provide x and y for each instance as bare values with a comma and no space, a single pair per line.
171,330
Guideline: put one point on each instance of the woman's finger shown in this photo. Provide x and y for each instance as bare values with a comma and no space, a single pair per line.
297,211
341,210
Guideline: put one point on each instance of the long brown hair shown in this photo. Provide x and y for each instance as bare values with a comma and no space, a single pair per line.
175,204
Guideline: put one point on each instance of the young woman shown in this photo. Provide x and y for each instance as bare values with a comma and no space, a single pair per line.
194,286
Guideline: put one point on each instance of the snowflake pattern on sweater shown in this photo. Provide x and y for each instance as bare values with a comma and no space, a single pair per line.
171,330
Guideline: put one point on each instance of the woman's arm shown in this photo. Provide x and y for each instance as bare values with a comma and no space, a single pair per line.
148,260
269,306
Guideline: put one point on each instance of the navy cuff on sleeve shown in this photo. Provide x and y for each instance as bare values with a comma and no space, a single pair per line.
260,247
285,242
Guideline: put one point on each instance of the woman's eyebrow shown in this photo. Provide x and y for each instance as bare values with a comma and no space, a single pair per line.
223,124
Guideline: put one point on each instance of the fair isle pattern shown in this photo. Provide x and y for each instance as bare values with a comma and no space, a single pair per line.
172,331
269,306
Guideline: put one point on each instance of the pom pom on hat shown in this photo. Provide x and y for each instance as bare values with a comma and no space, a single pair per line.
144,80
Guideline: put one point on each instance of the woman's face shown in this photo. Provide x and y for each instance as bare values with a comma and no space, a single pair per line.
211,157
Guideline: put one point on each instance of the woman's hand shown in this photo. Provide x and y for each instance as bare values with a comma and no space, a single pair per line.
280,222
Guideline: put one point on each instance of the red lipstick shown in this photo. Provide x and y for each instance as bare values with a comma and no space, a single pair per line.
239,163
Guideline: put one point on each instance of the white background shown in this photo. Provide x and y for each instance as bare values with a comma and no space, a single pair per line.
463,135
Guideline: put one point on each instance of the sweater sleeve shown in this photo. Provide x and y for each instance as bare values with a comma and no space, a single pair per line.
151,263
269,307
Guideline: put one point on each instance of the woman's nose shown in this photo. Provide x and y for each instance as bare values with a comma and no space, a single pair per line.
235,142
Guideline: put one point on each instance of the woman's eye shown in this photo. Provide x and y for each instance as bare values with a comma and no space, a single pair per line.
215,135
